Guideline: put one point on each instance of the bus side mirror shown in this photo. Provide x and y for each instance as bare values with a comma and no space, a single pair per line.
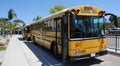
113,18
106,21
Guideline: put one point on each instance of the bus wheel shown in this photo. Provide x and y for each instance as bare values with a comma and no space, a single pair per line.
31,38
34,40
28,39
54,49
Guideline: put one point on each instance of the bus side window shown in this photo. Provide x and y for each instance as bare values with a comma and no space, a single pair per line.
51,25
58,21
45,26
54,25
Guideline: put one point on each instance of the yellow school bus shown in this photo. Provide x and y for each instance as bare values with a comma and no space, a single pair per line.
73,33
26,32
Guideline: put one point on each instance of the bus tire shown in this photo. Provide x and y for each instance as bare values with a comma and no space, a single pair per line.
54,49
34,40
29,39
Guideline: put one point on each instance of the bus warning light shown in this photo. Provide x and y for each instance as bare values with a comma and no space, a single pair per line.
77,44
101,13
75,11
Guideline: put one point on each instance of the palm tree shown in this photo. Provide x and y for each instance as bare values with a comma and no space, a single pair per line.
10,23
19,21
13,23
36,18
56,8
3,25
11,15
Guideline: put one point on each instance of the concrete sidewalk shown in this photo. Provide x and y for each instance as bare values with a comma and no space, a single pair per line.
18,54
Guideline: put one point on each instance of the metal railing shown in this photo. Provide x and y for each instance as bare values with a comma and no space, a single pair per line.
113,43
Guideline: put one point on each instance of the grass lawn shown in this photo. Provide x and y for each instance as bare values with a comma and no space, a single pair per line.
2,48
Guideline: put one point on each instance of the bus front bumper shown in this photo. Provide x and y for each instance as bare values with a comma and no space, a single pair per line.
89,55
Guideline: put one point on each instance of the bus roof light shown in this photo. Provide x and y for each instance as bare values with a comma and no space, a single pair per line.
101,13
75,11
88,7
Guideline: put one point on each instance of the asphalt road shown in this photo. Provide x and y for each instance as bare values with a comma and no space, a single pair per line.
48,59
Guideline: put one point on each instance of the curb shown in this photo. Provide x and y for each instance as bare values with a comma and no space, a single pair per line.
114,53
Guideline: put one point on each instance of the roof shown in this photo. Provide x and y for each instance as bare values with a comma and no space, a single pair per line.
52,15
62,12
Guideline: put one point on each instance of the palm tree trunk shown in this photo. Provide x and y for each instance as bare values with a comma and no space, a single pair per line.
10,33
3,32
10,30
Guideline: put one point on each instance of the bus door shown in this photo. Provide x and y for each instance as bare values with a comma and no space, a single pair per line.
57,35
64,38
25,32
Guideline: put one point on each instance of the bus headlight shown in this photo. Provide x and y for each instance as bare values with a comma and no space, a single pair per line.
76,52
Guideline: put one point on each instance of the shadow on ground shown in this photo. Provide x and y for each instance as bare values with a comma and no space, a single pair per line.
48,59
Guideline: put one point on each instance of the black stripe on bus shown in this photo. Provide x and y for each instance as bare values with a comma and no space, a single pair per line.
52,36
51,31
51,41
47,40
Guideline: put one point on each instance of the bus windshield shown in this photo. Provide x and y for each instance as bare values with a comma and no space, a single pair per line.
86,26
27,29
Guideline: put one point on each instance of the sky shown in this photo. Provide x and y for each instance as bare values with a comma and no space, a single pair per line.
26,10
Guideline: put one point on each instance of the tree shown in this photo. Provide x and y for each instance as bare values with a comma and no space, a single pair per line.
119,21
111,24
10,23
16,23
56,8
13,23
19,21
3,25
37,18
11,15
